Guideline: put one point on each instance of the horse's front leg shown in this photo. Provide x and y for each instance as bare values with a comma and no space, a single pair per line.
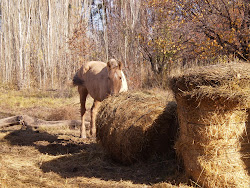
94,110
83,95
83,127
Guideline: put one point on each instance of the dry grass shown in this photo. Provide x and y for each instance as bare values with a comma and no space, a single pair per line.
63,113
36,104
40,159
59,158
212,110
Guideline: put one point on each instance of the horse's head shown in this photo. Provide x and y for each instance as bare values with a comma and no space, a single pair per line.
114,76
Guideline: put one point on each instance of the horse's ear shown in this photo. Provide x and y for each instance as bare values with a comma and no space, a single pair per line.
109,65
120,65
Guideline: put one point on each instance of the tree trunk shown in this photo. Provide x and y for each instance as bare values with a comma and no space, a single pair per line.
28,121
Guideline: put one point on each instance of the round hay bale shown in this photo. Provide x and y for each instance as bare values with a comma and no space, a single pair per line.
212,105
134,125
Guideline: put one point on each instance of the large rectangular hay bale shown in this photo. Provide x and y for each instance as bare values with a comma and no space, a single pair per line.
212,105
134,125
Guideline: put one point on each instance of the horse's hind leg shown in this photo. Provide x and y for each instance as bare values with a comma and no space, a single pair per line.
94,110
83,95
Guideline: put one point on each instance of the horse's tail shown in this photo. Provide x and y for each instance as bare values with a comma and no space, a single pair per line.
77,81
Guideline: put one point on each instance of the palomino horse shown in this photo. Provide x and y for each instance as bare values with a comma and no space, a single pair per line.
99,80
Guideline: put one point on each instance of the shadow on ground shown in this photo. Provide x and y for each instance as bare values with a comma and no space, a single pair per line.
98,165
44,142
87,159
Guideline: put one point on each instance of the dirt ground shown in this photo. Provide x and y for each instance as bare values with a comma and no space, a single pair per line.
57,157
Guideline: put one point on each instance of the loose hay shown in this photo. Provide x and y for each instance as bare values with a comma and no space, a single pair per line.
212,112
63,113
131,126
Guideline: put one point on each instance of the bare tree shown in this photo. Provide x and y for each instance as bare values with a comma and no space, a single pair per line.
42,43
34,35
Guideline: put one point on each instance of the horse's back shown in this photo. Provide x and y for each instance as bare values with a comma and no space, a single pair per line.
90,68
94,67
